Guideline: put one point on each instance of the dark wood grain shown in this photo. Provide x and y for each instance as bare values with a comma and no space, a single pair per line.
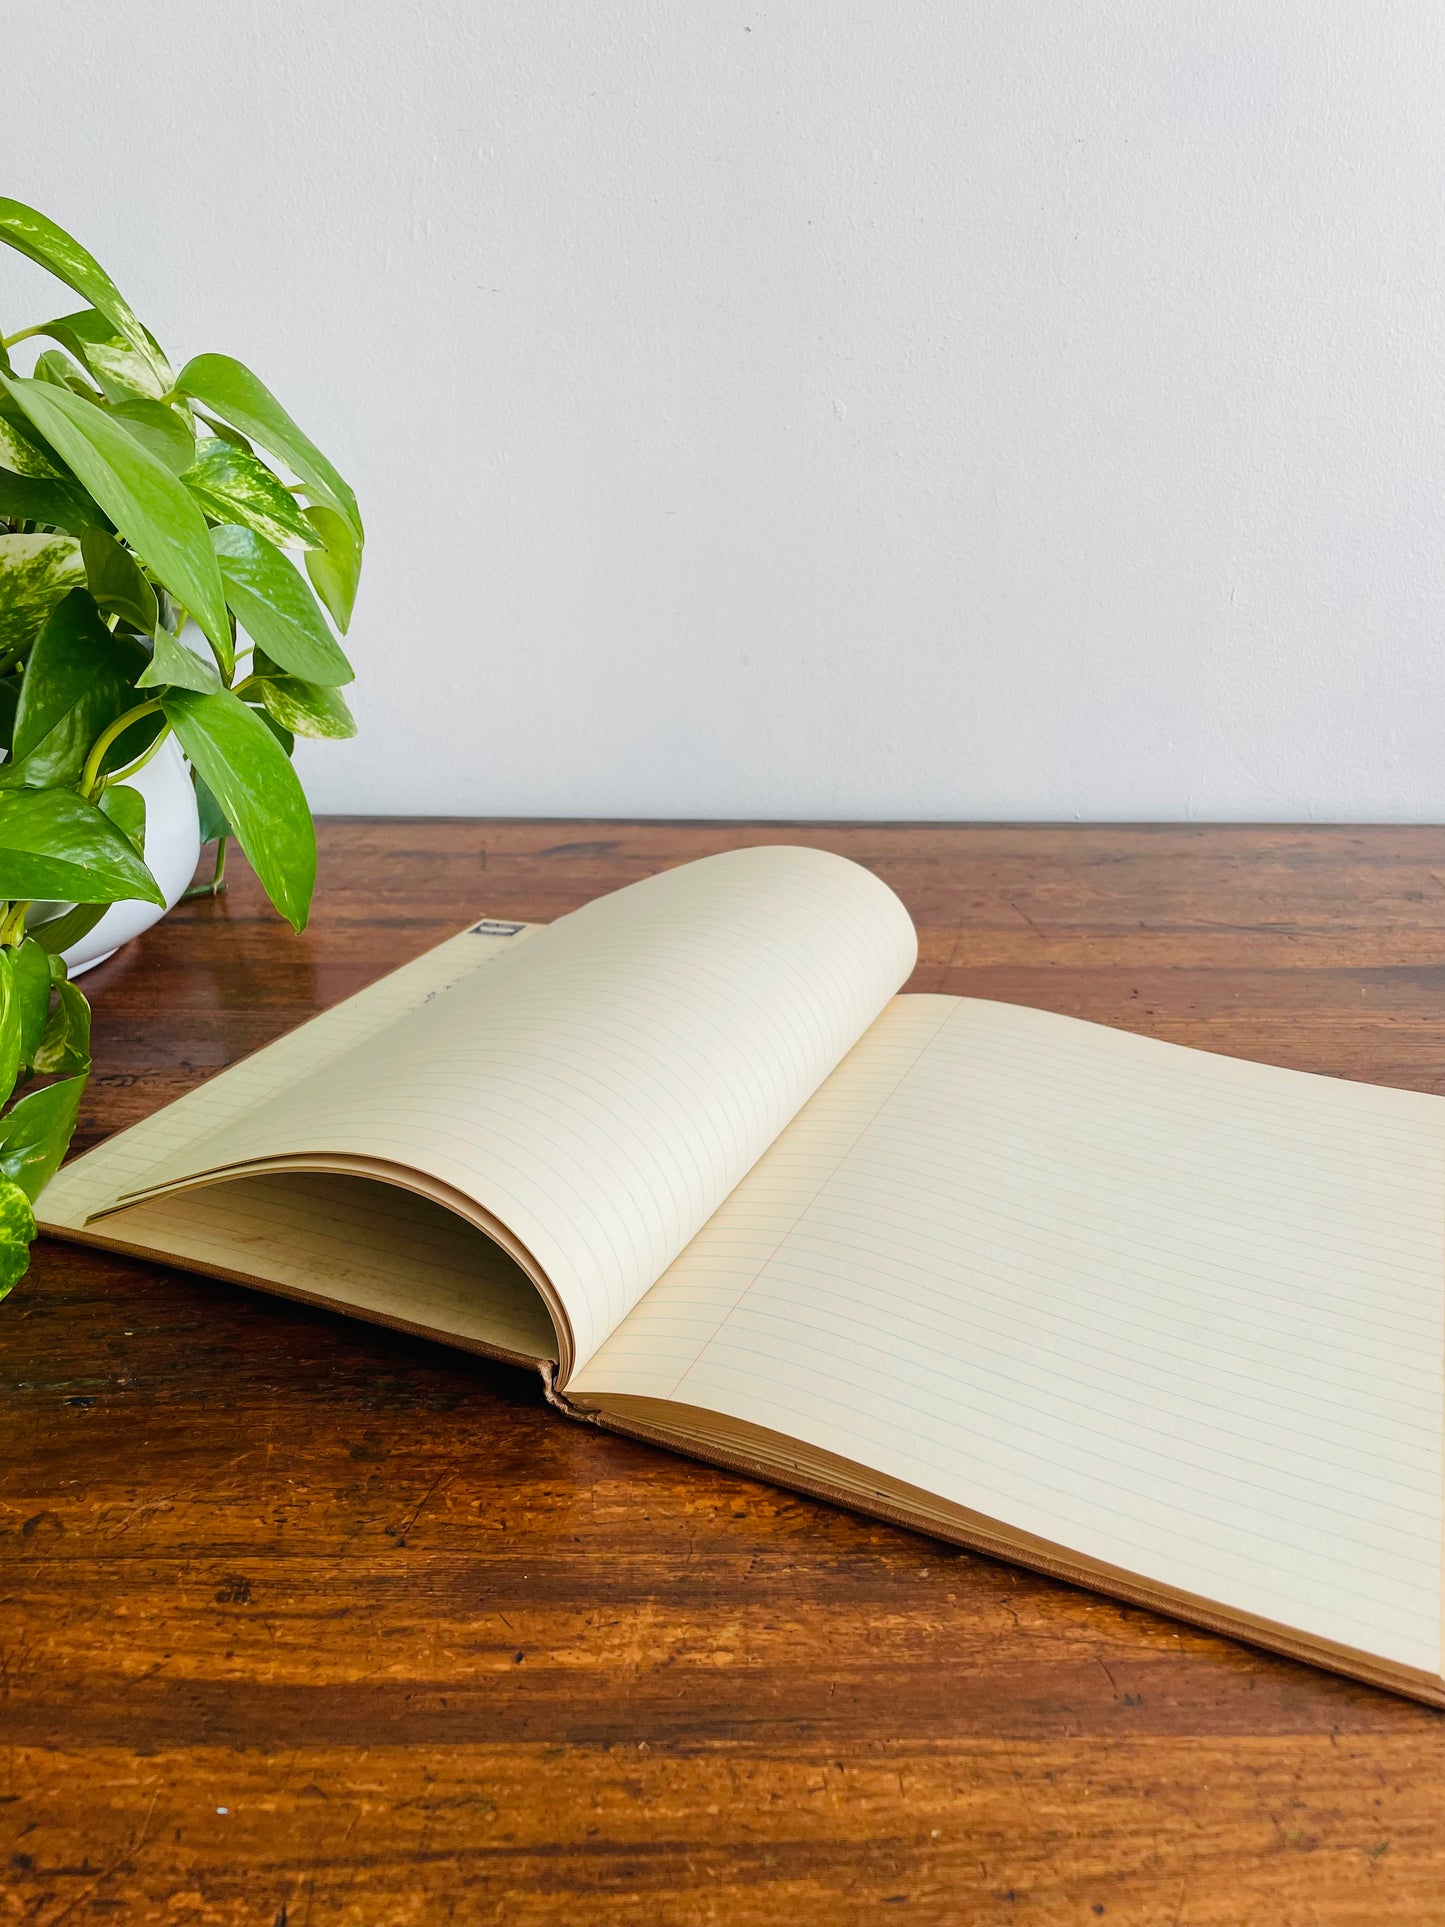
305,1623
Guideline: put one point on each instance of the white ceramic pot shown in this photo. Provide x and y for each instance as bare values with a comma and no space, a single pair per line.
172,846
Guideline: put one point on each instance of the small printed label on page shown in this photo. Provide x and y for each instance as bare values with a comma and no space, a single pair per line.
489,927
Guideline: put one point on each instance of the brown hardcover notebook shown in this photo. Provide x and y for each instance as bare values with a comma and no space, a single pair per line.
1157,1321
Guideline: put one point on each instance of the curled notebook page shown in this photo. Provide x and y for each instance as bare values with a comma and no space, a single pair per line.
601,1094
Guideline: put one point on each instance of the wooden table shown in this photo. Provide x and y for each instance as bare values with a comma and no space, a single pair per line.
302,1623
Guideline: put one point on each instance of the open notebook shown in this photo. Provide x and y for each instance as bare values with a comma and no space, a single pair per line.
1158,1321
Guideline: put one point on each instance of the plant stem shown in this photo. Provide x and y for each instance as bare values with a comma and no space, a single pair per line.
134,769
218,876
89,775
24,335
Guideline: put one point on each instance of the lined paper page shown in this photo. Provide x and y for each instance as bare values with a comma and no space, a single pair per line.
1172,1311
372,1248
603,1090
119,1165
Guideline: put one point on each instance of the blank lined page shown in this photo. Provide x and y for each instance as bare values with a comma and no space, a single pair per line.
90,1182
602,1090
1172,1311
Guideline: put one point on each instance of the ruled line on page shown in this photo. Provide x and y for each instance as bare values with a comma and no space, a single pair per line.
785,1230
1040,1275
93,1179
601,1093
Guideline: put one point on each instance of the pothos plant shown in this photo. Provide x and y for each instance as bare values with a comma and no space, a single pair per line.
144,592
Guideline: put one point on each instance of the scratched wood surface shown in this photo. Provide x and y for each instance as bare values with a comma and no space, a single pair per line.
302,1623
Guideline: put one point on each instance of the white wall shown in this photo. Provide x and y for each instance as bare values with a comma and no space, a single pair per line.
960,408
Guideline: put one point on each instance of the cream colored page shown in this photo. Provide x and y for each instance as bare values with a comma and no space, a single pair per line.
91,1181
602,1091
1172,1311
372,1248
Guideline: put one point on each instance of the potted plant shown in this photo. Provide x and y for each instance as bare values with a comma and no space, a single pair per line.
150,621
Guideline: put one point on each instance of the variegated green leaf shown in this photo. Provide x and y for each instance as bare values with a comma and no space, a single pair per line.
35,572
224,430
157,517
22,450
257,789
273,604
65,1047
35,1132
122,373
306,708
17,1234
335,569
231,485
32,233
57,847
228,389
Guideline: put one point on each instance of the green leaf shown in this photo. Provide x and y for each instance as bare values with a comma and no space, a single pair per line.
274,606
283,736
26,498
22,451
256,787
159,429
226,432
126,808
36,571
212,816
17,1233
114,578
79,679
9,697
31,968
174,665
231,391
10,1024
107,356
153,511
36,1133
306,708
55,845
61,372
65,1047
61,932
35,235
335,569
231,485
